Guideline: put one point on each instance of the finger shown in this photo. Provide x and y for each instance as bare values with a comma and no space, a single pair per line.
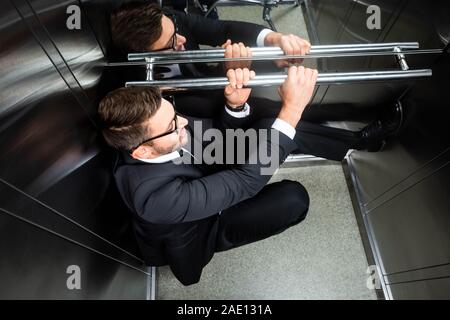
307,45
243,54
246,76
299,72
231,75
228,51
315,76
243,50
292,73
287,49
286,46
313,82
229,90
296,45
249,55
308,78
301,75
252,74
312,75
227,43
311,88
239,78
303,46
236,50
308,74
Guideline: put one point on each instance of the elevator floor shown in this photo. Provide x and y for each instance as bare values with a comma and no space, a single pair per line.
321,258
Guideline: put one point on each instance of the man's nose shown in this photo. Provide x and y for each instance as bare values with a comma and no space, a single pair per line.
180,40
182,122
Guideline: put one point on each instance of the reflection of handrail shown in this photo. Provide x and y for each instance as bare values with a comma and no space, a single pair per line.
275,80
274,51
200,59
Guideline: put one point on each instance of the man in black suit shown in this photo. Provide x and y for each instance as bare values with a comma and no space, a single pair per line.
184,212
143,27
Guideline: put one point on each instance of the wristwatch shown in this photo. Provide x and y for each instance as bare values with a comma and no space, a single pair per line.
235,109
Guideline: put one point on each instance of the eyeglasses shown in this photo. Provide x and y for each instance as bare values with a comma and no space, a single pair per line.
173,39
175,129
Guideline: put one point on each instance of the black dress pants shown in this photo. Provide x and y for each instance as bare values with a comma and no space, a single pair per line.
275,208
311,138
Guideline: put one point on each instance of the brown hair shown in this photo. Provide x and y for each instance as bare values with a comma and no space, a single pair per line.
135,26
124,113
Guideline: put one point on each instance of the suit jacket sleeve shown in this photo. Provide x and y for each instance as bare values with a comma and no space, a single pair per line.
189,200
227,121
215,32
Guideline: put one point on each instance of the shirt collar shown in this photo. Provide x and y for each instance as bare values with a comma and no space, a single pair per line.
164,158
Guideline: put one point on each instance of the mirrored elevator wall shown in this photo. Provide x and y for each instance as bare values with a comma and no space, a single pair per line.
345,22
58,205
403,192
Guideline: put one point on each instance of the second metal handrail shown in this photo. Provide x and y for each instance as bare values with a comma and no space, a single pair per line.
276,80
212,54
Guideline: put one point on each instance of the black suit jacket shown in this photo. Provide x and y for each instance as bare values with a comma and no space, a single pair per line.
176,206
199,30
203,31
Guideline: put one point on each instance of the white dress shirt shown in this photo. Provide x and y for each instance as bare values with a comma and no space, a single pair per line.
280,125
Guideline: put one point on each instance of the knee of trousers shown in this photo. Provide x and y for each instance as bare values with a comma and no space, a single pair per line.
296,199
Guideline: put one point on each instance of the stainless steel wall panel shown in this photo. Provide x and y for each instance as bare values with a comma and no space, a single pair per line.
94,202
42,214
43,141
403,191
98,14
356,30
411,230
437,272
55,171
330,13
78,50
423,137
345,22
83,76
428,289
41,259
419,21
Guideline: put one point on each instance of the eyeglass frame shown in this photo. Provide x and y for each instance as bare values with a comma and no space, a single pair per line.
175,119
172,18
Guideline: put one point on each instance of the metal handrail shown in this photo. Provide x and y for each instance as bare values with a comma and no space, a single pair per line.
276,80
274,51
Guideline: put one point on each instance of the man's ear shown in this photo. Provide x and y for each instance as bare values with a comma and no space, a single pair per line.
142,152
